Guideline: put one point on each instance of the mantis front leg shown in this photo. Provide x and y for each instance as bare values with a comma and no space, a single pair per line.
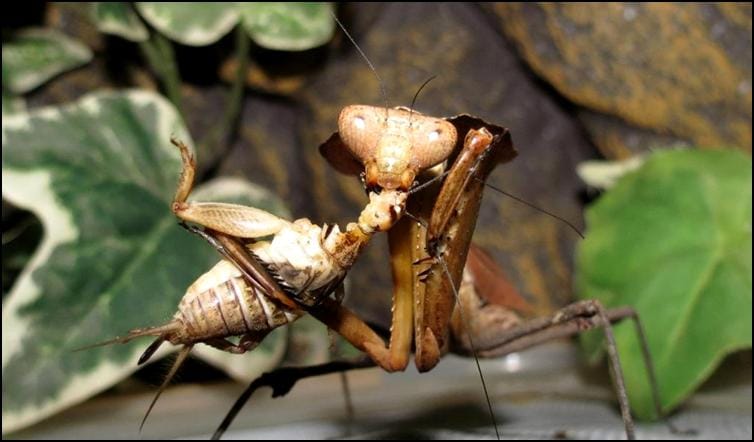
445,241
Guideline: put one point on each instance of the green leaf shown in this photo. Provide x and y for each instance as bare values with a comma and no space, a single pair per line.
33,56
673,240
288,26
12,103
193,24
100,174
119,19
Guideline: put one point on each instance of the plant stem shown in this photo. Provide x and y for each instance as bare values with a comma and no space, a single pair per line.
172,77
160,56
227,124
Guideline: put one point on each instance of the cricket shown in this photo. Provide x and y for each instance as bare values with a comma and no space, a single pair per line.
424,178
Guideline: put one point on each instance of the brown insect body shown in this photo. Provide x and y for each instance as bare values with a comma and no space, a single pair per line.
443,243
493,319
371,136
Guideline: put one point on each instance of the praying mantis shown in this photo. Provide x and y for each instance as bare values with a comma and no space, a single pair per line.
424,177
440,302
432,170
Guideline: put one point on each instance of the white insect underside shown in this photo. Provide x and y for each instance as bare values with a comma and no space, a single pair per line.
296,254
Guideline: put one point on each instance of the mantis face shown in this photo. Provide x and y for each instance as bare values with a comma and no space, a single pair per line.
393,145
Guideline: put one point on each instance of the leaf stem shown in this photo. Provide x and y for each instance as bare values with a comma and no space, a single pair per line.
227,124
161,58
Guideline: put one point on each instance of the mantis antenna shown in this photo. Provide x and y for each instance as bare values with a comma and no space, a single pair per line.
383,91
416,95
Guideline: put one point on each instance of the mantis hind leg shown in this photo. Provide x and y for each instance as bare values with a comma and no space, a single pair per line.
570,320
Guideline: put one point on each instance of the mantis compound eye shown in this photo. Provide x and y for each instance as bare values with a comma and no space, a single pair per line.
359,123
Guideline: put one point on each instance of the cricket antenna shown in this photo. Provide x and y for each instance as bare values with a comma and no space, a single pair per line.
383,91
467,328
416,95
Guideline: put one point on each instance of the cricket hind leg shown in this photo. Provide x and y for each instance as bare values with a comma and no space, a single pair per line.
248,342
179,360
232,219
188,172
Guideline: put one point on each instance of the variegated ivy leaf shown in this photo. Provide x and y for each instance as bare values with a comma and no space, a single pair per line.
193,24
100,174
119,18
12,103
280,26
33,56
673,240
288,26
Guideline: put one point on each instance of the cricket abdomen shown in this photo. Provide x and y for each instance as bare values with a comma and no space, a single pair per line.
221,303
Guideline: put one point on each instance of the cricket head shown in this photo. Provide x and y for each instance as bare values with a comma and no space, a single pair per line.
383,211
394,145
